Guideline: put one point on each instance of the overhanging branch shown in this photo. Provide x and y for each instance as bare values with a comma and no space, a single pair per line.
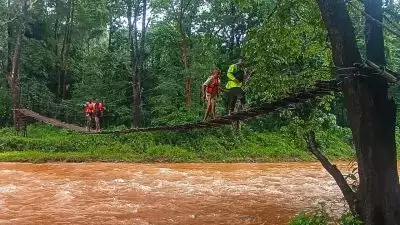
390,76
348,193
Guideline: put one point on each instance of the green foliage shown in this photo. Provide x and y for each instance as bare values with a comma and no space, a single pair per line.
5,104
320,216
317,216
349,219
288,51
284,41
219,145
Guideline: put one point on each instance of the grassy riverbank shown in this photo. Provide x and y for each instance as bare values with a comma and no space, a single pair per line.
46,143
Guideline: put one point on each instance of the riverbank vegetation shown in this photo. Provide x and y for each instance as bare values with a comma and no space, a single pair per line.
45,143
320,216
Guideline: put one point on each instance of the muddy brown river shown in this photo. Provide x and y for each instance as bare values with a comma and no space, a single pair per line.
185,194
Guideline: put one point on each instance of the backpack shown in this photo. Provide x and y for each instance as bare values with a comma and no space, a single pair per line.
239,75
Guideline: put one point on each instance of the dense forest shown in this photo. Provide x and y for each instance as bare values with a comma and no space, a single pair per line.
148,59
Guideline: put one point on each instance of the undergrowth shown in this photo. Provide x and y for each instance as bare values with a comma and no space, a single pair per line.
320,216
45,143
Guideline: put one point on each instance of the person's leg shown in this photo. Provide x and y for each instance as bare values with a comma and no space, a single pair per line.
213,103
234,96
88,122
208,107
228,101
243,99
100,121
97,121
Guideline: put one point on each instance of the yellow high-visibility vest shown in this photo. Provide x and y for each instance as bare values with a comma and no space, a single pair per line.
232,81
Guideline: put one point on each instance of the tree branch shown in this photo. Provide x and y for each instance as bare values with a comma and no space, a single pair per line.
374,19
394,24
278,2
148,22
389,77
347,192
392,13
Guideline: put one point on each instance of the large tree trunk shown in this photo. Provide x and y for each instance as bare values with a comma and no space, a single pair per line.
379,181
371,115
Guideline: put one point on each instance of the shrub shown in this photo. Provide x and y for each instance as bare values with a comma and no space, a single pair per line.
314,217
349,219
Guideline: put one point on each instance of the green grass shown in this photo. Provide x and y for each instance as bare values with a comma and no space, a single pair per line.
45,143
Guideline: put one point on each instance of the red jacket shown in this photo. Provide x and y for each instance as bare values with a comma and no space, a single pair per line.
213,85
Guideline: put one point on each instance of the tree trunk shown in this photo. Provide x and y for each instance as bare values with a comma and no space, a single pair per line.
130,28
13,76
14,83
374,33
134,47
140,68
56,26
110,25
136,78
379,182
9,39
63,74
232,29
372,118
66,58
185,60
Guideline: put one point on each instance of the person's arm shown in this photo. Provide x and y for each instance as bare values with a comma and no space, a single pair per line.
248,73
203,89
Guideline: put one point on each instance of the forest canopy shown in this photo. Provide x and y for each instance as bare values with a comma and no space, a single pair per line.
138,53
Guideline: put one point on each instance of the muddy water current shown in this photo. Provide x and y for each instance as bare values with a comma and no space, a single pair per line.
186,194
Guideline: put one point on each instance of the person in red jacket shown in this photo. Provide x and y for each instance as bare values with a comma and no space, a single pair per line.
98,113
101,107
211,89
88,110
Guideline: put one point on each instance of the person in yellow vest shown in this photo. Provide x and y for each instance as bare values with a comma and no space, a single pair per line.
234,89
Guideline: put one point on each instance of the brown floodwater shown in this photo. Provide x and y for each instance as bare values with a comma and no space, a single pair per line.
186,194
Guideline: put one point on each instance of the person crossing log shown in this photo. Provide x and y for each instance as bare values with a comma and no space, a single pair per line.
234,85
210,91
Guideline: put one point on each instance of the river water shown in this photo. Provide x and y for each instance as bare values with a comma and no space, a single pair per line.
186,194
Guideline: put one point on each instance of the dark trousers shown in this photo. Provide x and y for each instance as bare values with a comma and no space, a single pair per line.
232,96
